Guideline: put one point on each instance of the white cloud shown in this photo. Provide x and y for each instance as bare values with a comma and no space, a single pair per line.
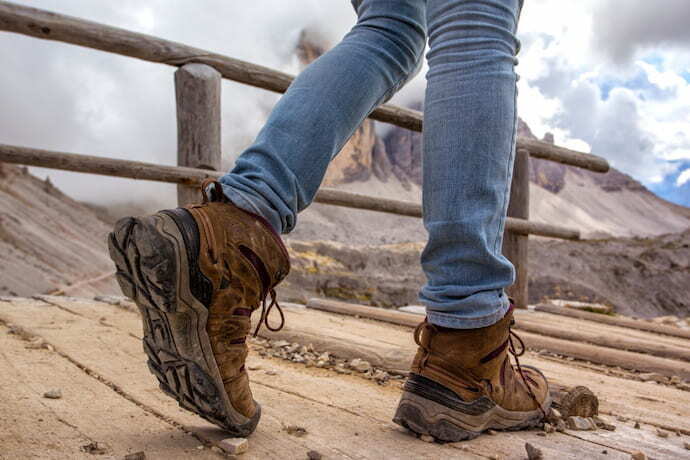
683,178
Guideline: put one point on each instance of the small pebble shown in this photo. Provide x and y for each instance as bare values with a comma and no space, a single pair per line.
314,455
637,425
296,430
533,453
234,446
136,456
270,372
491,432
686,445
637,455
661,433
426,438
53,394
541,433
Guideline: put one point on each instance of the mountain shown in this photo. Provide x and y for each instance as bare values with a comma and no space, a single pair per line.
48,242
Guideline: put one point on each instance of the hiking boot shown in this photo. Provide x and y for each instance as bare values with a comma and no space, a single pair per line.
197,273
462,383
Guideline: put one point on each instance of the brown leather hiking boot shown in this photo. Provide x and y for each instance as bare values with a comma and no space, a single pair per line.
462,383
197,273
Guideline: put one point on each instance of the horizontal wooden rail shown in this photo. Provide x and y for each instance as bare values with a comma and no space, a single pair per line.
190,176
52,26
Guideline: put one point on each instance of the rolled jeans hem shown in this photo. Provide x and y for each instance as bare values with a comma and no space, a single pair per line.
242,201
455,320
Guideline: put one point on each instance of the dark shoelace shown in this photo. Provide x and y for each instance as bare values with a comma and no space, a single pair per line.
266,311
516,354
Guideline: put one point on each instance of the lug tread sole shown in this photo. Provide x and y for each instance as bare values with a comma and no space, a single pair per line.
147,272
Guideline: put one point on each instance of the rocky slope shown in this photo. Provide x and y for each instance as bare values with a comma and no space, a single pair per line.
643,277
48,242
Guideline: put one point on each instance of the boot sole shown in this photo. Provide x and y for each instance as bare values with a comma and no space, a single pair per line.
149,254
431,409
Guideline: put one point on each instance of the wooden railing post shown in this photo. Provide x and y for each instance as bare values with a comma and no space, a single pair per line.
197,92
514,244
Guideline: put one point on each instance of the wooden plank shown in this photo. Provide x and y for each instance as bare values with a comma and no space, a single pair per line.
53,26
614,321
374,341
66,424
515,245
352,394
191,176
334,431
197,95
618,395
575,349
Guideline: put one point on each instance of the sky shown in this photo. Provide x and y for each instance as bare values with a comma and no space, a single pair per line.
611,77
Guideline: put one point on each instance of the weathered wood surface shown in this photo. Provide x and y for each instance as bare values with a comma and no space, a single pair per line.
192,176
576,344
614,321
89,411
345,416
52,26
197,95
515,245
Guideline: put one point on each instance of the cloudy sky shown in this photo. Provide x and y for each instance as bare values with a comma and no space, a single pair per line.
607,76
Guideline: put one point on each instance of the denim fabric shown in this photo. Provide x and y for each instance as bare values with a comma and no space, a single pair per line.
469,138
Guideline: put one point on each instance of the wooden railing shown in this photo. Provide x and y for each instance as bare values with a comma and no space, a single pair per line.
197,90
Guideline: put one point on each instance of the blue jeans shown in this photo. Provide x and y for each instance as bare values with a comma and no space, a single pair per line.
469,138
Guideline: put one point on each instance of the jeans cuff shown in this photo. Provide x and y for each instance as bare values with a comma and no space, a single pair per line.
457,320
242,201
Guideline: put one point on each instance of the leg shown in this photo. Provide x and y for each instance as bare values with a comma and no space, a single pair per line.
469,140
462,382
279,174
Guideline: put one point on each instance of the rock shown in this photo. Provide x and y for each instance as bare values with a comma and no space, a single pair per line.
549,428
296,430
580,423
270,372
426,438
297,358
620,418
141,455
321,363
661,433
360,365
637,425
53,394
340,369
94,448
533,452
279,343
637,455
603,424
652,377
381,377
36,344
314,455
292,348
675,380
541,433
234,446
686,445
324,356
560,426
554,415
491,432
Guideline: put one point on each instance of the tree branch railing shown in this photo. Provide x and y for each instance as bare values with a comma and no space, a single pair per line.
193,176
198,121
58,27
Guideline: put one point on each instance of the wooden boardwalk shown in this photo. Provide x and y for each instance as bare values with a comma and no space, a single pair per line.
92,352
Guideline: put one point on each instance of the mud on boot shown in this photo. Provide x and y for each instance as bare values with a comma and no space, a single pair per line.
197,274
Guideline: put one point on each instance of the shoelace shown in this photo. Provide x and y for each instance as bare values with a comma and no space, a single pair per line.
266,311
516,354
